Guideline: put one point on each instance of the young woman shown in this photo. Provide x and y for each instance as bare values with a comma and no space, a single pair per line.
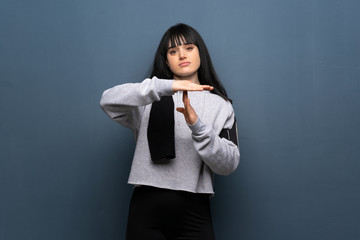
185,132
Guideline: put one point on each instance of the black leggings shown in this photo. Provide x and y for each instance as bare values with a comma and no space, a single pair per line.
162,214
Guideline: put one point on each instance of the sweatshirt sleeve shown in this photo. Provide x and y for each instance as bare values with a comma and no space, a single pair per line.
125,103
220,154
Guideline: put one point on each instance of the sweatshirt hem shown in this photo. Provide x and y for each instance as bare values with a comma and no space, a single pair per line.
138,184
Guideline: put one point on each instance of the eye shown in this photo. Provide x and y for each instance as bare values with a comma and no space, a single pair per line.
172,52
189,48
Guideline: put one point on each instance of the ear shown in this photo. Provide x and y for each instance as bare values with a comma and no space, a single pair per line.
167,63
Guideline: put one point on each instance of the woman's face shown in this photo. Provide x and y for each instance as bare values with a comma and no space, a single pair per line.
184,61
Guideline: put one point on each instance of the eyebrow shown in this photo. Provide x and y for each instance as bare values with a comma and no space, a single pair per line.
180,45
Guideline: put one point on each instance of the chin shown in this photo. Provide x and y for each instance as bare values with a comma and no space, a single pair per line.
186,74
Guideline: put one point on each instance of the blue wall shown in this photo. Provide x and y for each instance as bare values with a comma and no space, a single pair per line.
292,68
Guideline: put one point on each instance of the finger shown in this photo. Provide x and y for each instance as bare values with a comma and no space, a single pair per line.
193,87
181,110
185,97
200,87
207,87
187,85
186,100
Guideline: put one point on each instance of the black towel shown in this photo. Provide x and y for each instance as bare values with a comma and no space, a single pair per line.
161,136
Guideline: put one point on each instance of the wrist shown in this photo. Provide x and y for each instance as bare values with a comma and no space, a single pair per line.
164,87
193,122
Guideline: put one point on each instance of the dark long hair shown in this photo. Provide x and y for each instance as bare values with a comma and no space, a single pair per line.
206,71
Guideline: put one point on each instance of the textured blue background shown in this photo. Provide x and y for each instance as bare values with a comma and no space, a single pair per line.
292,68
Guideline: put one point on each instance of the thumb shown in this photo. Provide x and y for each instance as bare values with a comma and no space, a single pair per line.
181,109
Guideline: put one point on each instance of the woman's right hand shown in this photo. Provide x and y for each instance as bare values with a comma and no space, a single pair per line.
186,85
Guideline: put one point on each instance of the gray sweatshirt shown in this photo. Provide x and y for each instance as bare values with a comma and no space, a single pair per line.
200,152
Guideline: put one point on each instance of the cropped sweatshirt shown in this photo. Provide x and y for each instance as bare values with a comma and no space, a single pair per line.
200,152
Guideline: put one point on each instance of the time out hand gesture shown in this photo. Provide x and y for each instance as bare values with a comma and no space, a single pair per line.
189,113
185,85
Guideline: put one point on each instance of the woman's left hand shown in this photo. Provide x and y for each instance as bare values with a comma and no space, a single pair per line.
189,113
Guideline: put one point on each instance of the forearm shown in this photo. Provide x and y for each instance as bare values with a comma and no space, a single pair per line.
220,154
124,103
136,94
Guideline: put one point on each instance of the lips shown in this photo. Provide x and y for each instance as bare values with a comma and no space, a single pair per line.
184,64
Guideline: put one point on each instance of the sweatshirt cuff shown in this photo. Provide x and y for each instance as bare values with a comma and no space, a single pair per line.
164,86
199,128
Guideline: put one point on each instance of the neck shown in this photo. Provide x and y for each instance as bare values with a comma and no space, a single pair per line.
194,78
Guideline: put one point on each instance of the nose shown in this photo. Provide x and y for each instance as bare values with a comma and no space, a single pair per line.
182,53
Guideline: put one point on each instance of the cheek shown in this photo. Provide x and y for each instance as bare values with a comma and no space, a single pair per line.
169,62
198,61
172,65
197,57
